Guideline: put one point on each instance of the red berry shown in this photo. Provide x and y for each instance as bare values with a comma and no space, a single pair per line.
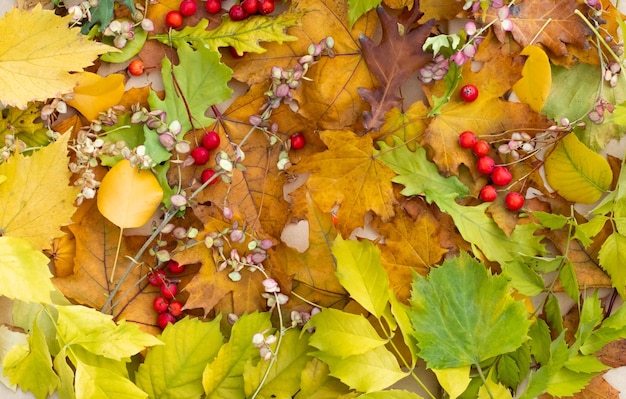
174,19
156,278
176,308
188,8
298,141
135,67
211,140
169,289
213,6
206,175
467,139
514,201
485,164
488,193
469,93
164,319
501,176
160,304
266,7
175,267
481,148
237,13
250,6
200,155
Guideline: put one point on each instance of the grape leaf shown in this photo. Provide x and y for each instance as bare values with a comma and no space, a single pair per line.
195,343
38,55
36,197
398,55
463,315
359,271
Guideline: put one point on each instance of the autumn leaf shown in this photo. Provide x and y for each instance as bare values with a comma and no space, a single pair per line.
534,86
392,61
25,125
440,9
38,55
94,94
347,174
36,199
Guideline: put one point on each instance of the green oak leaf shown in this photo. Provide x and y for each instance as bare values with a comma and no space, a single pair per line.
612,259
200,78
244,36
361,273
463,315
223,377
194,343
357,8
94,382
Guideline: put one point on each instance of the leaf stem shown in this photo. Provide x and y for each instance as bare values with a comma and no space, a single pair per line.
595,31
482,377
117,254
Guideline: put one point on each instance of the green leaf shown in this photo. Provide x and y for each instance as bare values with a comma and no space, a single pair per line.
99,383
318,384
567,274
454,380
343,334
66,376
200,78
26,275
566,382
244,36
223,377
612,259
573,91
463,315
540,341
175,369
8,340
371,371
552,311
611,329
551,220
576,172
512,368
523,278
585,364
391,394
360,272
131,49
30,365
357,8
102,15
25,125
448,43
400,312
130,133
591,316
283,380
452,79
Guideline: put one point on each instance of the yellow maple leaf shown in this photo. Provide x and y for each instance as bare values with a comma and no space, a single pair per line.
36,198
37,53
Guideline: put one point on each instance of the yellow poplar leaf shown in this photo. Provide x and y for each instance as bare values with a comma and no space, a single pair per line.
534,86
37,53
36,198
129,196
454,380
95,94
576,172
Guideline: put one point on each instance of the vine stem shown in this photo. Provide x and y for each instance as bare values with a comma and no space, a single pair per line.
482,377
595,31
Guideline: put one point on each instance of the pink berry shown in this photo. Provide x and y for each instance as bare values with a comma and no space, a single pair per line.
200,155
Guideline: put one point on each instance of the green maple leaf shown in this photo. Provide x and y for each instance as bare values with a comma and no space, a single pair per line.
244,36
463,315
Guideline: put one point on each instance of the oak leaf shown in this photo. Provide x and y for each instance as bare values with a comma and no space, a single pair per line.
349,175
398,55
38,53
36,198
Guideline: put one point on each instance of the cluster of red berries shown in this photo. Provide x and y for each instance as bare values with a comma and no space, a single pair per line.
166,304
500,175
174,18
201,154
246,8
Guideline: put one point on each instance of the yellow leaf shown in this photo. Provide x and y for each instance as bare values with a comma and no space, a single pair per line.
129,196
95,94
36,198
576,172
37,53
454,380
534,86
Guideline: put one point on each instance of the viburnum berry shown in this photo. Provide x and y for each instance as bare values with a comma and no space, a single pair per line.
250,6
485,164
188,7
266,7
174,19
481,148
514,201
206,175
156,278
164,319
160,304
169,289
175,267
200,155
501,176
213,6
211,140
135,67
298,141
469,93
467,139
488,193
176,308
237,13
